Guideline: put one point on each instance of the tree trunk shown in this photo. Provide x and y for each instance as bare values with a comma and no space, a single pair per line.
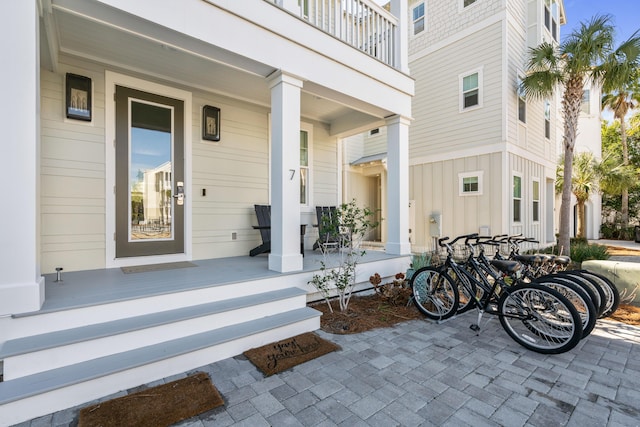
564,240
571,101
581,221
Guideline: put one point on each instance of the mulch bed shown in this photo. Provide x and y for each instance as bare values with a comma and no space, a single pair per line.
626,313
282,355
363,314
159,406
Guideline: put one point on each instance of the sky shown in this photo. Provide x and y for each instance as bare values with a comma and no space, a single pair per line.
625,13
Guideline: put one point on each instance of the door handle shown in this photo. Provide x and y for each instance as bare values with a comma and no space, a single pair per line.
179,193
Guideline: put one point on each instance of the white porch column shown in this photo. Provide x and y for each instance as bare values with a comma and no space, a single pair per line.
398,186
400,9
285,173
21,286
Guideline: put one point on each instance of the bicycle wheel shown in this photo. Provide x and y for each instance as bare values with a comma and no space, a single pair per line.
580,300
599,300
539,318
612,300
434,293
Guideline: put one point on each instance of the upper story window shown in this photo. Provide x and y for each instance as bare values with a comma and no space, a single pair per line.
418,18
470,90
522,104
547,119
586,102
470,183
551,18
304,8
466,3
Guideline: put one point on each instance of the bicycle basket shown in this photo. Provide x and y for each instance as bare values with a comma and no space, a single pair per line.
461,253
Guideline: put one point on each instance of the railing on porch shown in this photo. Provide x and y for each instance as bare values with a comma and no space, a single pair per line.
361,23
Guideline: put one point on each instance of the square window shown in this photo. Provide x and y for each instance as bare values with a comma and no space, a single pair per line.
470,183
466,3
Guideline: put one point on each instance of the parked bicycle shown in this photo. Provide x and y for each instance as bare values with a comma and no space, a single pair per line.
535,316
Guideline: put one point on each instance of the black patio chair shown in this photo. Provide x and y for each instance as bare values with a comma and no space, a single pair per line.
263,214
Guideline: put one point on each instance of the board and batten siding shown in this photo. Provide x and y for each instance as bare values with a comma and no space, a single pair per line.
435,189
439,126
528,170
234,173
72,175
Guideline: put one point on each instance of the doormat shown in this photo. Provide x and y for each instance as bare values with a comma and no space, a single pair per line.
282,355
159,406
157,267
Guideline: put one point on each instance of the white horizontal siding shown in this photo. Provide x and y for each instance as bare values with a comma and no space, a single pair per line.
234,173
438,125
72,175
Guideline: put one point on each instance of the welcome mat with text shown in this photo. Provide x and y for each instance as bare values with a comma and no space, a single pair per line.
159,406
282,355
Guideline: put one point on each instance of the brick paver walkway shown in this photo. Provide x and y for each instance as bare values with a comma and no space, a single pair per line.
422,373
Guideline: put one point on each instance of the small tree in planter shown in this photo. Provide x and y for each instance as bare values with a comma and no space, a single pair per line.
346,227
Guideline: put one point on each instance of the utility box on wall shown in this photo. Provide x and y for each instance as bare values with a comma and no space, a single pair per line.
435,224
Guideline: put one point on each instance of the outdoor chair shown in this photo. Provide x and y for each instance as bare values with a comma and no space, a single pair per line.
329,236
263,214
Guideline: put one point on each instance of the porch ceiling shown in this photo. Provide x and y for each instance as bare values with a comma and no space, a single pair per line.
93,31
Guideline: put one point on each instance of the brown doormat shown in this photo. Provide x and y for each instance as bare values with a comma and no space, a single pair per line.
163,405
157,267
282,355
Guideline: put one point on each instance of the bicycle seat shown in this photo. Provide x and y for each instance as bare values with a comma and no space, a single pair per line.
529,259
546,257
508,267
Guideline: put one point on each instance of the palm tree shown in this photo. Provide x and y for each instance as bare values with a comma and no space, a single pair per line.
586,55
591,175
624,96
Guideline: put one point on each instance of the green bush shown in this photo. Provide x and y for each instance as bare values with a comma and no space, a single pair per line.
585,252
581,251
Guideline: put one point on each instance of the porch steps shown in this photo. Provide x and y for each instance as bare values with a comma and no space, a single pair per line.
31,354
82,364
88,380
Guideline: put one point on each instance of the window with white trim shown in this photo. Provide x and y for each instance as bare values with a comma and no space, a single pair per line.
551,17
466,3
470,90
304,167
418,19
517,198
470,183
547,119
586,102
535,197
522,103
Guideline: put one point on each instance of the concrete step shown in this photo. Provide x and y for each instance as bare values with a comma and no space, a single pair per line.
33,354
52,390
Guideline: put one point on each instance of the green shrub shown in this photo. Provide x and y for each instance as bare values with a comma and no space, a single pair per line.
580,251
585,252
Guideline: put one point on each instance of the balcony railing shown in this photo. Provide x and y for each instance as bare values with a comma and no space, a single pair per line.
361,23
